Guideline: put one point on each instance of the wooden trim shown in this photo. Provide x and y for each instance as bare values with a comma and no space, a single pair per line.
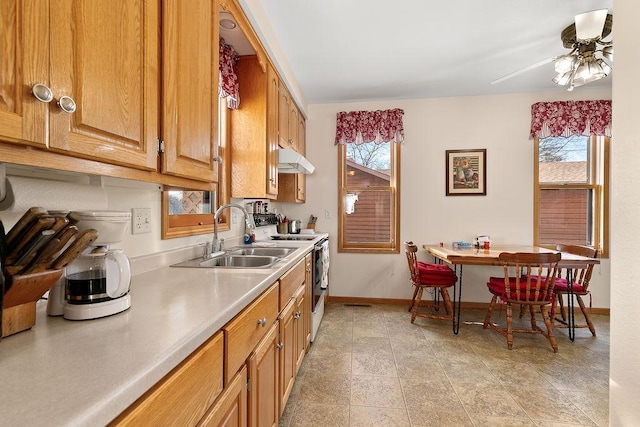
407,302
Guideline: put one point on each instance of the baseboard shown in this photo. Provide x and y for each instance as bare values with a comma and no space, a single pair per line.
393,301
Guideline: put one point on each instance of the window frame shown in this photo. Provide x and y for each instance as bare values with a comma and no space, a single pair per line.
393,246
598,164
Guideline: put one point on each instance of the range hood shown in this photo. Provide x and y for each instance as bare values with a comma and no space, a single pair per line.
290,161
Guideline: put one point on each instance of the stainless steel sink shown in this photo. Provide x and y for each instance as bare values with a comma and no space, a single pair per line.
231,261
277,252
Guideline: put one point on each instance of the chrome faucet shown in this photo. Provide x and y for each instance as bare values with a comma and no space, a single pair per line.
217,244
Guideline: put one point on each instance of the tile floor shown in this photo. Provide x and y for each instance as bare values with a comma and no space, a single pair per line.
369,366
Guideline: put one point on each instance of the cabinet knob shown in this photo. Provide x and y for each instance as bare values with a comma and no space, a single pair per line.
42,92
272,180
297,315
217,159
67,104
262,322
279,346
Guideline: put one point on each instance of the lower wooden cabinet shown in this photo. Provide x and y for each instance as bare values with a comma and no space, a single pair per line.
231,408
184,395
287,353
264,376
308,290
299,318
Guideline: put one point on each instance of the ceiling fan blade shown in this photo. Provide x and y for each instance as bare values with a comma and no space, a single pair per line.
524,70
589,25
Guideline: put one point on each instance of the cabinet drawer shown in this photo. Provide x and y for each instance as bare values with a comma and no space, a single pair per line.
245,331
290,282
183,396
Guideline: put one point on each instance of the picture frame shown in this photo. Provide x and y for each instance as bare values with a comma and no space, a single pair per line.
466,172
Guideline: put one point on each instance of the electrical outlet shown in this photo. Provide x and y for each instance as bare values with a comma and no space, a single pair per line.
140,220
327,214
234,218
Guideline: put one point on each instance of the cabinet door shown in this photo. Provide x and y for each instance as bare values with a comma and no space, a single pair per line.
283,116
288,353
264,409
190,88
293,124
306,314
105,56
24,53
272,132
231,408
299,317
302,141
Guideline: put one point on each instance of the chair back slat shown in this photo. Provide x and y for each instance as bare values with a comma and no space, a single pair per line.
581,275
529,277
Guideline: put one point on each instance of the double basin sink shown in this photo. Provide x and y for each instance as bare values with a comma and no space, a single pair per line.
240,257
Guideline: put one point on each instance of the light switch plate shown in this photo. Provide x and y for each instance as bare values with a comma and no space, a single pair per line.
140,220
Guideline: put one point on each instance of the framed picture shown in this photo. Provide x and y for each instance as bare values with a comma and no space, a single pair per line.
466,172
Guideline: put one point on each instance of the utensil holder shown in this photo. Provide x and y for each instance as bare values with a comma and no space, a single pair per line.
19,305
311,226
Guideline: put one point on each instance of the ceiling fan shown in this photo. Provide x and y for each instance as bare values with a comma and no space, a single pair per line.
585,62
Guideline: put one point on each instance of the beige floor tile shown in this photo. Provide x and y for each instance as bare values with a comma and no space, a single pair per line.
382,392
370,366
361,416
373,364
308,414
325,388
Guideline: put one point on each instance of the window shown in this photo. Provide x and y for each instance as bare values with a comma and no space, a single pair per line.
571,191
369,197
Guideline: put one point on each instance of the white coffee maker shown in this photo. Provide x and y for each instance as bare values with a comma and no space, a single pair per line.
96,284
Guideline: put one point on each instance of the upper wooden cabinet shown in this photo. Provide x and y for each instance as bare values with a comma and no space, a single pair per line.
293,186
190,89
24,49
288,115
254,133
98,62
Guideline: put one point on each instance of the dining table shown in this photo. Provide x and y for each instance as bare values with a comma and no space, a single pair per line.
458,256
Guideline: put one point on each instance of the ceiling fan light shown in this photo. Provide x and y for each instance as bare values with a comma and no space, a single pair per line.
589,25
564,65
606,68
607,52
562,79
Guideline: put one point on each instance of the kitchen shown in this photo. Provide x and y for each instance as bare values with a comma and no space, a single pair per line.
510,114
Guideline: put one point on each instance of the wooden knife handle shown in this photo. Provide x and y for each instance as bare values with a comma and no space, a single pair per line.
81,242
44,222
23,223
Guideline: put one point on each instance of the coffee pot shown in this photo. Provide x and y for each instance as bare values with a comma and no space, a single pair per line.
100,275
96,284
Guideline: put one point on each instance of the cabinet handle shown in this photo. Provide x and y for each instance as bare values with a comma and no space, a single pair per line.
217,159
42,93
297,315
279,346
272,180
262,322
67,104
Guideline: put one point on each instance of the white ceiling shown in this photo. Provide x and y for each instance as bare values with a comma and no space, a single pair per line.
354,50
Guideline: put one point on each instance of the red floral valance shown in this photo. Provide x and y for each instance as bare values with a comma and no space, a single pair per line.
369,126
228,86
566,118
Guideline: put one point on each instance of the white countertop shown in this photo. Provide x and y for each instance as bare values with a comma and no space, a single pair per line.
65,372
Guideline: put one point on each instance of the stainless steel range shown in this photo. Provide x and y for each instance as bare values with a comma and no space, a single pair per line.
321,261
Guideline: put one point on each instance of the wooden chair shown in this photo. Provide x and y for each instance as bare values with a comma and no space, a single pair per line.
437,277
528,280
581,278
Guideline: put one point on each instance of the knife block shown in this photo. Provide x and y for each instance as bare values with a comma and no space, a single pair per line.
19,305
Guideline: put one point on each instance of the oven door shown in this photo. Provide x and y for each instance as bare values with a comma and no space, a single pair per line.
320,271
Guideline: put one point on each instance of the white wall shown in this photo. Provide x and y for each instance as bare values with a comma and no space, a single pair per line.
498,123
625,207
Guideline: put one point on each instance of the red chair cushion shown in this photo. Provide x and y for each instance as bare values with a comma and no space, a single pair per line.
562,286
436,274
496,287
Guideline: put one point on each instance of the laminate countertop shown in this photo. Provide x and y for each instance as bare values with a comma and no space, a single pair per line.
85,373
